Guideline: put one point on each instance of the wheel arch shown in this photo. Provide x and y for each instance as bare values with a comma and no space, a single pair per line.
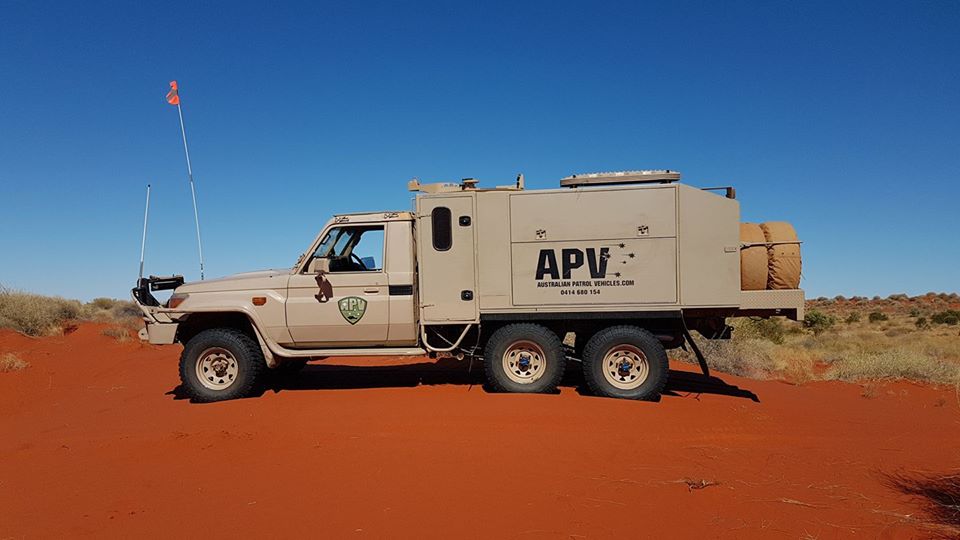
199,321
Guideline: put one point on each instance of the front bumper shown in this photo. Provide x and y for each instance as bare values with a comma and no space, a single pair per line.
160,333
160,328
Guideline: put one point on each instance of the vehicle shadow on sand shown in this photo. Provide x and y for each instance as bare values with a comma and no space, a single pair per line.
324,376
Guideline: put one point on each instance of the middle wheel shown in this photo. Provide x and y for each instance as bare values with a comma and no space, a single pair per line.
524,358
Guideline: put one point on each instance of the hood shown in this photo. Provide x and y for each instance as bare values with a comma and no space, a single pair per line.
261,279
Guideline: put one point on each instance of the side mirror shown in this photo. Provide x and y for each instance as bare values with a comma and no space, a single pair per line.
319,265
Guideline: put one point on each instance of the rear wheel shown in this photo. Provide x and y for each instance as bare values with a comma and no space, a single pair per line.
219,364
625,362
524,358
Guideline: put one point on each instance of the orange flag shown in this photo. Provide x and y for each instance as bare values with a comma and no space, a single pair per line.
172,97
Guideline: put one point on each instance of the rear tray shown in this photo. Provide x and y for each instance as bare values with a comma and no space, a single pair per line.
786,302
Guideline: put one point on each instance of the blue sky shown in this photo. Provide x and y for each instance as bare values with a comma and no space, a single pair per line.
841,117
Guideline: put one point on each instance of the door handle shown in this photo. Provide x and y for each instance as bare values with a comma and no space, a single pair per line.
374,290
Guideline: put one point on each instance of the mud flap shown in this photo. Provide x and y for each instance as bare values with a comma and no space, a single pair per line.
696,351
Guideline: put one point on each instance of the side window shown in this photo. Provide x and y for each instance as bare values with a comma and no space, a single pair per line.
369,249
442,228
353,249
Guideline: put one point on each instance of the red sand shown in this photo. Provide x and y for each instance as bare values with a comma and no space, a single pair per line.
95,442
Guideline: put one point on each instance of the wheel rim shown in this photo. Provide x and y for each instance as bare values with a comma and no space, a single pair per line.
217,368
625,367
524,362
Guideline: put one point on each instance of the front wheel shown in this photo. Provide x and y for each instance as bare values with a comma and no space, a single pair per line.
625,362
220,364
524,358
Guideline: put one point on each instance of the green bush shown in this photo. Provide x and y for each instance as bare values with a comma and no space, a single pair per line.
768,329
922,323
914,312
853,317
877,316
818,322
950,317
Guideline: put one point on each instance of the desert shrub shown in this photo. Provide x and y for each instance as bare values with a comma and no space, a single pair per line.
108,310
896,331
818,322
915,312
792,329
877,298
950,316
899,296
124,309
853,317
33,314
922,323
769,329
746,357
877,316
118,333
11,362
839,298
895,363
939,496
103,303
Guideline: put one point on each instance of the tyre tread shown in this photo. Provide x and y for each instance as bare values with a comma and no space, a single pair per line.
553,348
247,352
651,347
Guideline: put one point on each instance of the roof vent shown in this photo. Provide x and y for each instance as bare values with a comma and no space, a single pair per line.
653,176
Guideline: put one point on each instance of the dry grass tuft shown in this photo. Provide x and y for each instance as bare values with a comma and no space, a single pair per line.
35,315
895,347
896,363
11,362
108,310
938,494
118,333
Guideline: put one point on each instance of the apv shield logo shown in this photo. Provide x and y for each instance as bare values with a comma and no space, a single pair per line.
352,308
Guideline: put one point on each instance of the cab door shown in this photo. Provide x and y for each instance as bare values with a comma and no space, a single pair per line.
448,287
348,305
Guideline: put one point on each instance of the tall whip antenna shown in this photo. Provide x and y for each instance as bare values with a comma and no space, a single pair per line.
143,242
173,98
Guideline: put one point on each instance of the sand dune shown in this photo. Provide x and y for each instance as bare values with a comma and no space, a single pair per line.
95,442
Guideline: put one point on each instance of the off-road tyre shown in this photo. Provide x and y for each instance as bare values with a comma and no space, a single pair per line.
625,346
241,348
509,344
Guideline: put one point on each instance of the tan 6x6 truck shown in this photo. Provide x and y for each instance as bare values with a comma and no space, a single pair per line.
620,265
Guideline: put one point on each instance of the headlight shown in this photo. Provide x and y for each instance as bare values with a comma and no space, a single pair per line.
176,300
